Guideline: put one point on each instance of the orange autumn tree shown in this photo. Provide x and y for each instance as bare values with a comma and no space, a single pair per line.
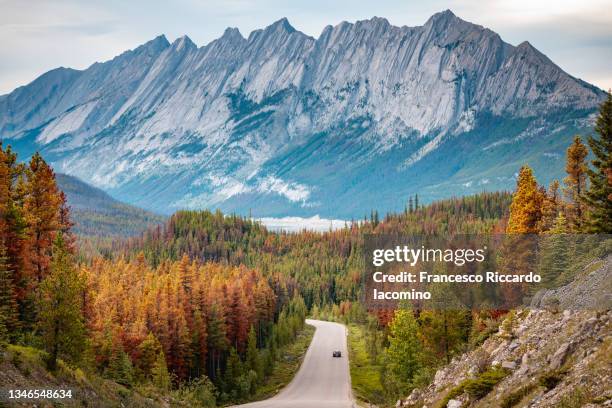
42,210
32,212
132,303
517,254
576,183
526,207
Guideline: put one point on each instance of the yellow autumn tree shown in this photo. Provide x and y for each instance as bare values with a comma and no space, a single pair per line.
526,207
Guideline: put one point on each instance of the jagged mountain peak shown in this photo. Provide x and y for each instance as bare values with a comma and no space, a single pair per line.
258,119
183,42
158,42
280,27
232,33
446,23
282,24
373,22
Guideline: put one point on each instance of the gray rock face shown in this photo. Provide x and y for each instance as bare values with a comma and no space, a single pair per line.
283,121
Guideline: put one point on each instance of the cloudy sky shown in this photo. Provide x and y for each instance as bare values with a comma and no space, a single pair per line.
39,35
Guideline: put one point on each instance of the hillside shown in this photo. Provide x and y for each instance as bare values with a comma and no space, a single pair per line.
95,213
24,368
540,357
280,123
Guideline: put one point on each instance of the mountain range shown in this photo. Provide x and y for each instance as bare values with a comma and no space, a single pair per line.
283,124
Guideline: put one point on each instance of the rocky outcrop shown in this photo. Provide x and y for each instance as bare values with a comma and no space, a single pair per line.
549,358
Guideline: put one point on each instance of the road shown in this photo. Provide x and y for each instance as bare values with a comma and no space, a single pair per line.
322,381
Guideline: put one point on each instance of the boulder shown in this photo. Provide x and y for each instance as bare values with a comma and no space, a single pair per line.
509,365
454,404
560,356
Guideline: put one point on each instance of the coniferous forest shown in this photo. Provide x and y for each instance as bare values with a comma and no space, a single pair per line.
201,307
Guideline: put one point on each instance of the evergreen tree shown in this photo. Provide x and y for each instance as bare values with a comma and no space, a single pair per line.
233,373
551,206
60,319
253,359
8,304
599,195
149,351
553,257
402,359
120,368
41,208
575,183
161,377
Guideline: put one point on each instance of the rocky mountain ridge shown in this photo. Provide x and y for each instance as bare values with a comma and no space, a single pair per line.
285,124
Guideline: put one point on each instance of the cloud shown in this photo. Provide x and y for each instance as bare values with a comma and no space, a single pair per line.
45,35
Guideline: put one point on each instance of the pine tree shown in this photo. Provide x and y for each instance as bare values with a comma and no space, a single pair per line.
149,351
553,257
526,207
9,321
599,195
60,319
41,206
551,206
253,359
403,359
233,372
161,376
575,183
120,368
13,224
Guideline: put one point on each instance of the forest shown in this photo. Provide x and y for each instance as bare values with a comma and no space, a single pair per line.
202,305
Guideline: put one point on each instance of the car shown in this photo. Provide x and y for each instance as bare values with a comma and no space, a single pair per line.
337,353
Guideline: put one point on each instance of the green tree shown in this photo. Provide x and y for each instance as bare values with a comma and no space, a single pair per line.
149,351
402,358
161,377
9,320
253,358
60,318
120,368
599,195
554,249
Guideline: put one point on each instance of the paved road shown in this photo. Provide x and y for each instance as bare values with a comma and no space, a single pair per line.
322,381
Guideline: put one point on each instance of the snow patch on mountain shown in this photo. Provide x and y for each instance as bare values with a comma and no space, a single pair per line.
294,192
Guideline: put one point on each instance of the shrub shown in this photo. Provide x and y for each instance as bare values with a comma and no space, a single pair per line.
516,396
549,380
477,387
484,383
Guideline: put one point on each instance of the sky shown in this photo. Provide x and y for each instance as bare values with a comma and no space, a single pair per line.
39,35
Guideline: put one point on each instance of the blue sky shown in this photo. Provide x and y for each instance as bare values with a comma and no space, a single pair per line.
39,35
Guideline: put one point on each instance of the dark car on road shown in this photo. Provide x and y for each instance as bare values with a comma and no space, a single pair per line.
337,354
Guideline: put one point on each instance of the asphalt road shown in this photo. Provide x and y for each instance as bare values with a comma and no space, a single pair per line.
322,381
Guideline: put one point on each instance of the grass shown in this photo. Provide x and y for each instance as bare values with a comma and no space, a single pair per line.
365,376
27,367
287,366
